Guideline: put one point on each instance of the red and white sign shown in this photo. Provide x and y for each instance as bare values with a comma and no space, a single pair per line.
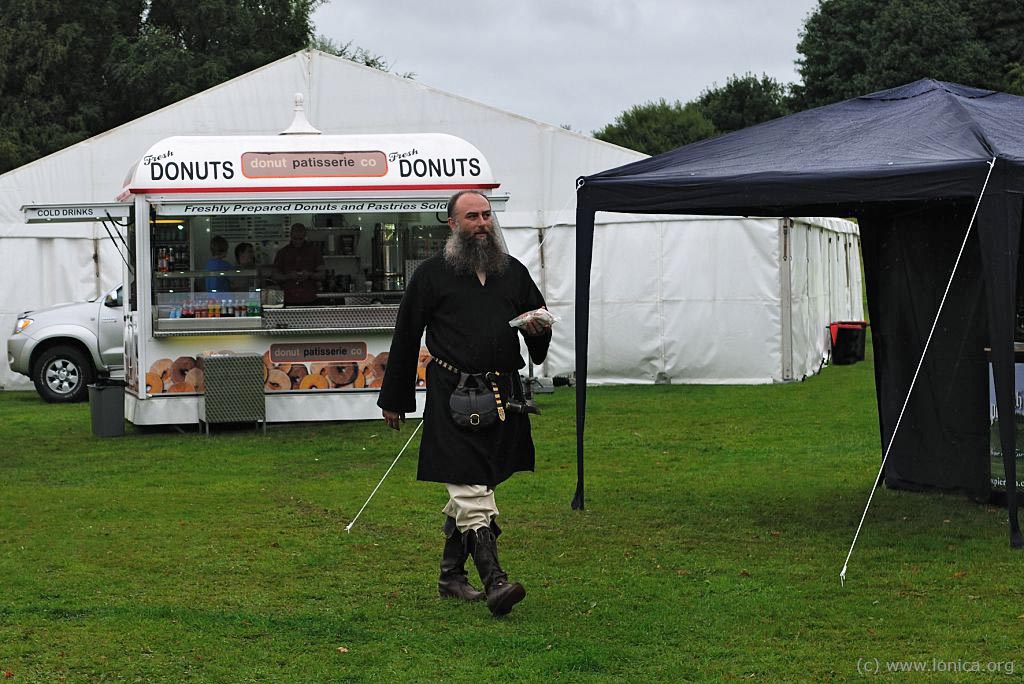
309,163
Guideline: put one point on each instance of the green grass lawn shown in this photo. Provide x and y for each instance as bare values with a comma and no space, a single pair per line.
716,525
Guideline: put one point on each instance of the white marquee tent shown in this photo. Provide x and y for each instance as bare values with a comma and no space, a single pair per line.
707,300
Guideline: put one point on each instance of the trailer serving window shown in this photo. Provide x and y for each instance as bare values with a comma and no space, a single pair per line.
215,272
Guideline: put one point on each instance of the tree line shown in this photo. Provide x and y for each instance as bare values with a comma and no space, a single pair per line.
70,70
847,48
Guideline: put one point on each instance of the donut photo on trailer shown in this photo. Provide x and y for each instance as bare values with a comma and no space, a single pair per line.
182,375
321,375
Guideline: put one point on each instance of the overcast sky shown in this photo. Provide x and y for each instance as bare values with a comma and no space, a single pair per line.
573,62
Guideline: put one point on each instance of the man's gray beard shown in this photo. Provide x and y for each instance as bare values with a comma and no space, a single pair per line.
466,253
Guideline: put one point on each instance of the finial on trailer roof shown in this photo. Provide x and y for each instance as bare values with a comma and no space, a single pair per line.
300,124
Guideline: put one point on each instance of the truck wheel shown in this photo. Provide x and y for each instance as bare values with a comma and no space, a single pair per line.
61,374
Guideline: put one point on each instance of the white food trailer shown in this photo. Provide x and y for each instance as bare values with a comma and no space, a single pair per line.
373,207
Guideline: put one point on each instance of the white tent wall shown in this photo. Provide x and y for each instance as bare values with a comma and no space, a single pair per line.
642,271
699,299
826,284
42,271
809,302
724,315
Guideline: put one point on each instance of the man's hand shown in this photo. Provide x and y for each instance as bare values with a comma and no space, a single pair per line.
533,323
394,419
534,328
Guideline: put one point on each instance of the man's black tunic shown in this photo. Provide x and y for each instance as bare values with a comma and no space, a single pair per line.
467,327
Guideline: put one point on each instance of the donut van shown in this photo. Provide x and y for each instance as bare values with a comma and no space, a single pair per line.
293,249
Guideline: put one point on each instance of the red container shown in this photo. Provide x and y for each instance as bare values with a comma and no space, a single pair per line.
847,341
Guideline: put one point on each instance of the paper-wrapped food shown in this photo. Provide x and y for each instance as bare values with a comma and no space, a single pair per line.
542,316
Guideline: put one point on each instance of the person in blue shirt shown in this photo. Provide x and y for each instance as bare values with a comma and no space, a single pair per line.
217,262
245,260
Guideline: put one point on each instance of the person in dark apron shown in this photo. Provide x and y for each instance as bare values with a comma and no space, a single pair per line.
464,297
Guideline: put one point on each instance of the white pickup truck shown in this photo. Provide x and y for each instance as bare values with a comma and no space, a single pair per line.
66,347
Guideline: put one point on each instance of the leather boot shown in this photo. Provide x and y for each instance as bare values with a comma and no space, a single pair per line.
501,594
453,582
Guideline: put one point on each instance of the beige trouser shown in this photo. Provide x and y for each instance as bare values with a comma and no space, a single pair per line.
472,506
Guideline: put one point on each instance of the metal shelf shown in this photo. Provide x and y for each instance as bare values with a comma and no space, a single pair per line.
247,273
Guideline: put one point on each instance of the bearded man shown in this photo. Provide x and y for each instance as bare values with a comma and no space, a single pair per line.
465,298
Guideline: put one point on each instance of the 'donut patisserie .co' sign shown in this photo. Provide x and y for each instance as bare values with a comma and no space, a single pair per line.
318,351
313,164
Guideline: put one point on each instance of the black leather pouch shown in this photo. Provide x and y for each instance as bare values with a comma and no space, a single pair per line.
472,403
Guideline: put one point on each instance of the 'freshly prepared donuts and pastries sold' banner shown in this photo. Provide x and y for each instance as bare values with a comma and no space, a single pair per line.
288,367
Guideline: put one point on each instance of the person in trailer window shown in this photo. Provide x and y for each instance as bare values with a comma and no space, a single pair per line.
245,258
298,269
218,250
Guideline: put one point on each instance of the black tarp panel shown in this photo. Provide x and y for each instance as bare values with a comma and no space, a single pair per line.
943,438
999,218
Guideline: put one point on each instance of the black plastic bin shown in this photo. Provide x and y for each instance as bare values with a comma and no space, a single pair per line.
106,404
848,341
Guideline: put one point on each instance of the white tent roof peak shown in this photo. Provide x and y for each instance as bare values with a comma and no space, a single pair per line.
300,124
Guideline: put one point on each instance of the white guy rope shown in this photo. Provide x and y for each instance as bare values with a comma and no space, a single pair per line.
565,207
348,528
920,362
